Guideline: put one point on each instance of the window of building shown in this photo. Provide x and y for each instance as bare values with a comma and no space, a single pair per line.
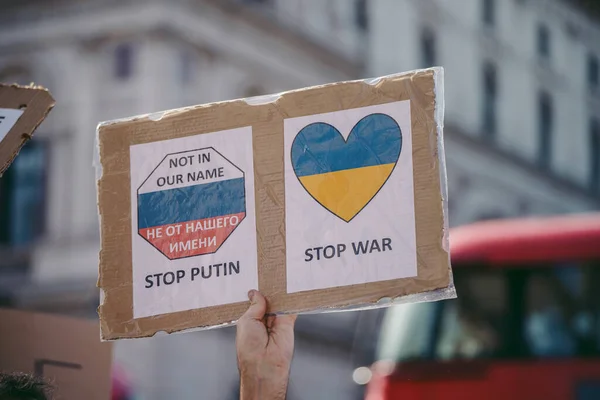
489,12
16,73
490,94
595,155
428,48
186,66
545,127
253,90
361,15
258,2
123,61
543,41
23,196
593,72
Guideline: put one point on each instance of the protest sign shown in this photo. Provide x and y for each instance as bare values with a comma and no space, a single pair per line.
321,198
22,110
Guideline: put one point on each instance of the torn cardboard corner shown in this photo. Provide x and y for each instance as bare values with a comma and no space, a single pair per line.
22,110
327,197
65,351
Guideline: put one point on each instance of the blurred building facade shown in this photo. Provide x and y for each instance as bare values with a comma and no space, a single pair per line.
110,59
522,136
522,98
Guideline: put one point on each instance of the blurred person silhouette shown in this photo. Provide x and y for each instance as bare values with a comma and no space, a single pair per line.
471,324
20,386
265,347
548,323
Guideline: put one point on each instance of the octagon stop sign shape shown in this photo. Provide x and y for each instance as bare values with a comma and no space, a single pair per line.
191,203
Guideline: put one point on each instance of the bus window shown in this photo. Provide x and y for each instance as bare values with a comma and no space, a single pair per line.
508,313
467,327
562,310
470,325
407,332
547,330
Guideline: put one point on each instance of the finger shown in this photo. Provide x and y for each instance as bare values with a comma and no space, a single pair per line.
283,324
282,332
270,320
258,306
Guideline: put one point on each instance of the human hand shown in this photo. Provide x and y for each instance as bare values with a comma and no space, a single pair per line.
265,346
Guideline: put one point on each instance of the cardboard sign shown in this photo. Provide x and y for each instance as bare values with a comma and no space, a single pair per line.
66,351
324,197
22,110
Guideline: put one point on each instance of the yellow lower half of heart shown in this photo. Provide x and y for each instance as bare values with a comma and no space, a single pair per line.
346,192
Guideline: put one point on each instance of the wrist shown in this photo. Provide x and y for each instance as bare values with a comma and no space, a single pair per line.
258,383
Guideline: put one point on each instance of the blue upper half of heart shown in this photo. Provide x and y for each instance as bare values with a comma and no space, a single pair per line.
319,148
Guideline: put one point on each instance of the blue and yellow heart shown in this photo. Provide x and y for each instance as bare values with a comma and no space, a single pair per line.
345,175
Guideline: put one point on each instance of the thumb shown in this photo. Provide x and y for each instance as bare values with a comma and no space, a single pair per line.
258,306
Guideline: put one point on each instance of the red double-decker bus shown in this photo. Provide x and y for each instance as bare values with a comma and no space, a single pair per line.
525,325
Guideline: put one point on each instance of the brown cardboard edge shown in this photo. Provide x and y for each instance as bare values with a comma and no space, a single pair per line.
38,103
122,130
